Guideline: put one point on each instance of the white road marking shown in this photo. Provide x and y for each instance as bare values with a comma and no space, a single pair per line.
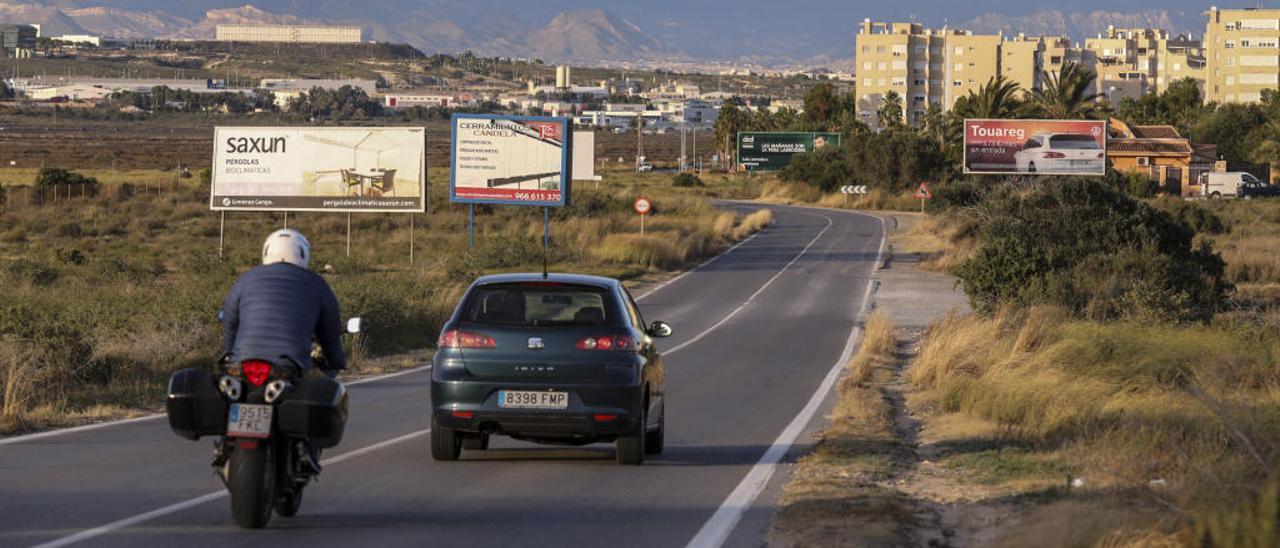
699,267
209,497
753,296
99,425
717,529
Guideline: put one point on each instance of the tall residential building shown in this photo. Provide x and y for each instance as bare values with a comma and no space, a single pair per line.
1025,59
1131,62
1243,56
922,66
290,34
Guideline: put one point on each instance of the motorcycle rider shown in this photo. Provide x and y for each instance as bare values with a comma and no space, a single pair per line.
274,310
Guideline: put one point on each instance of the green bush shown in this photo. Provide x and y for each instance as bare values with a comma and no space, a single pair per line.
959,194
51,176
687,180
1083,245
826,168
1132,183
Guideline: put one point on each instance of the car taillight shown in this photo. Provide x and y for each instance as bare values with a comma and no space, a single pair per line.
607,342
256,372
456,338
1054,155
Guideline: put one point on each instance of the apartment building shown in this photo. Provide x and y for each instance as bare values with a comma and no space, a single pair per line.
923,66
1024,59
1131,62
1243,58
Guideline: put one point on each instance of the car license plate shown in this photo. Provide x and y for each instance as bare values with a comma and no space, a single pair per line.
529,399
249,421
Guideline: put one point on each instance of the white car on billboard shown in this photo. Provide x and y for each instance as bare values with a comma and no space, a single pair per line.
1061,153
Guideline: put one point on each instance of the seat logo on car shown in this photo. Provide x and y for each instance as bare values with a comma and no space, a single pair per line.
535,343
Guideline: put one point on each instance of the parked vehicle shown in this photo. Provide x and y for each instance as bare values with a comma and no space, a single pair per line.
1236,184
560,359
644,167
269,414
1060,153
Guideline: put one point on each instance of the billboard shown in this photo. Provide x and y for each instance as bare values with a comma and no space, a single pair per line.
319,169
1074,147
772,150
584,156
522,160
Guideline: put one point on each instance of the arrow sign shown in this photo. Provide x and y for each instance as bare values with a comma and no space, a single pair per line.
853,189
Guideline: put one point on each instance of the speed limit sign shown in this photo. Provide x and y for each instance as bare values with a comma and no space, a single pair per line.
643,206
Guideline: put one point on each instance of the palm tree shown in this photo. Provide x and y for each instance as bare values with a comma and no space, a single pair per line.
890,112
1067,94
998,98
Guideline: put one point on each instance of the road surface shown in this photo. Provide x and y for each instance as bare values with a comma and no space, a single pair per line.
760,333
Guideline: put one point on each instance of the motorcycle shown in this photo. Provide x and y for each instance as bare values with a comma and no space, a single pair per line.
272,418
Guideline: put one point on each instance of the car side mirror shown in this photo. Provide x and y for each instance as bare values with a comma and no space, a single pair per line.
659,329
356,325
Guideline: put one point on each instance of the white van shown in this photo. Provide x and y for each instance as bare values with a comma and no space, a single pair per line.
1226,183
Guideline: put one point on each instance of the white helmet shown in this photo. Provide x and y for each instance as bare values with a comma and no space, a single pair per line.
287,246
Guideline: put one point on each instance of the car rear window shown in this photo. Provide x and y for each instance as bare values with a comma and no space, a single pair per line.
537,305
1083,142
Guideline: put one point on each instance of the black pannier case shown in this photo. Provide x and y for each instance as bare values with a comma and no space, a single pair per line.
194,406
316,409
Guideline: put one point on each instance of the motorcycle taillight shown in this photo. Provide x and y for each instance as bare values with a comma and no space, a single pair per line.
256,372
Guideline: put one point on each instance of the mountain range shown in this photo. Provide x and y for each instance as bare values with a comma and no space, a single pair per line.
812,32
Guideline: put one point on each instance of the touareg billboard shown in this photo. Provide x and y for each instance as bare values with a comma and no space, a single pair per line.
521,160
772,150
1075,147
319,169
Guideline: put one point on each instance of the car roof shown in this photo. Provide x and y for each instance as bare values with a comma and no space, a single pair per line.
580,279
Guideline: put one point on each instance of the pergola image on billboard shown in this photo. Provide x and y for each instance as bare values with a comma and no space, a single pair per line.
772,150
319,169
522,160
1069,147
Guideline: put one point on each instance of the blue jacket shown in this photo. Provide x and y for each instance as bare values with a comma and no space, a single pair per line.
273,311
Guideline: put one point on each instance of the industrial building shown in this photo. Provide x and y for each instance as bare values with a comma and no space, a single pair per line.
18,41
410,100
307,84
290,34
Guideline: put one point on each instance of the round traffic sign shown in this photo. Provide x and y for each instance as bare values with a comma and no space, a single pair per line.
643,206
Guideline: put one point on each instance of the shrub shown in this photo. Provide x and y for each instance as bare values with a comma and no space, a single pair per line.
1132,183
1085,246
687,180
51,176
827,169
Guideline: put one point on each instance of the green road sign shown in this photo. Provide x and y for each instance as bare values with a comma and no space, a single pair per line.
772,150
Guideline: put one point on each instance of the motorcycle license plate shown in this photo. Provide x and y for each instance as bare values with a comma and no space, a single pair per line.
249,421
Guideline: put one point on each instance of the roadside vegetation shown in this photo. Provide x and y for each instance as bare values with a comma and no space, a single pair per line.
103,296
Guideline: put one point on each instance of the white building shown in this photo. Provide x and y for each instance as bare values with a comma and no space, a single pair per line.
81,39
290,34
73,92
408,100
307,84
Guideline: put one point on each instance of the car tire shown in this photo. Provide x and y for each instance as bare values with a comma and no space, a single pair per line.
475,442
446,444
653,441
1031,167
1248,196
1215,196
630,448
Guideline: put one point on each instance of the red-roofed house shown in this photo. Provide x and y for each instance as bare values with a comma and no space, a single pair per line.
1161,153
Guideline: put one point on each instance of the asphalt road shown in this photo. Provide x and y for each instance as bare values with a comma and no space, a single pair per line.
759,333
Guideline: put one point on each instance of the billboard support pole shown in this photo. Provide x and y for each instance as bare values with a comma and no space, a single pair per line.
348,234
411,222
286,219
546,238
222,226
471,223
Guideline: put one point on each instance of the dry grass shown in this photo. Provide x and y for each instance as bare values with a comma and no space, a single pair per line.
941,242
1124,404
877,349
752,223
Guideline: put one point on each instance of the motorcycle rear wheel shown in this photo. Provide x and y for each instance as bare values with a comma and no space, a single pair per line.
251,481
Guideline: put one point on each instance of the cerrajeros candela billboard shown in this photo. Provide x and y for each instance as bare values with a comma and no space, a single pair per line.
519,160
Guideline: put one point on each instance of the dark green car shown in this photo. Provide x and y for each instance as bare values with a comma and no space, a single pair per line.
561,359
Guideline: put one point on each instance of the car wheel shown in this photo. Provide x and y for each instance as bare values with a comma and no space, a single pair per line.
445,442
476,442
1216,196
630,448
1031,167
653,441
1248,196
